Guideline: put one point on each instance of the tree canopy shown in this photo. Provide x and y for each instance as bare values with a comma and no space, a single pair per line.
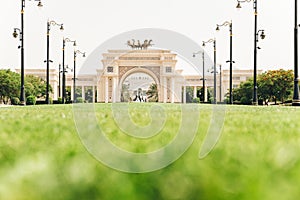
275,85
272,85
10,85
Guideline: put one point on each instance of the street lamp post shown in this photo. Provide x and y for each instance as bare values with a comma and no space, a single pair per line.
296,98
255,100
262,36
215,65
59,79
230,59
220,82
49,23
15,34
63,70
74,73
203,71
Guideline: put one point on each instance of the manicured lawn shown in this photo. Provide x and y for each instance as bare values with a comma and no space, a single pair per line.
257,156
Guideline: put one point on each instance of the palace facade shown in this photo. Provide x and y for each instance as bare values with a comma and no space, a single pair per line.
113,80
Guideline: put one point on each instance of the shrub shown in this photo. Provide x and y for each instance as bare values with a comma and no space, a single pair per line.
15,101
246,101
31,100
196,100
79,100
59,100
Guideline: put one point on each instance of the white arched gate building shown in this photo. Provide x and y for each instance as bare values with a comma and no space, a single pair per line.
158,64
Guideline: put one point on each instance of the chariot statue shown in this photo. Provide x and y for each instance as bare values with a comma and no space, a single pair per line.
131,43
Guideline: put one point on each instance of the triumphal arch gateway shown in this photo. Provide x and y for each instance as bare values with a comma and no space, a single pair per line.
158,64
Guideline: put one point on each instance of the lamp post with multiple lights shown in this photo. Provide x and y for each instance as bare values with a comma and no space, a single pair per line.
64,70
15,34
227,23
203,71
262,36
215,65
296,97
255,100
74,73
49,23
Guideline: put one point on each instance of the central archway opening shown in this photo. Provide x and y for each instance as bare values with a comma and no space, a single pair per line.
139,87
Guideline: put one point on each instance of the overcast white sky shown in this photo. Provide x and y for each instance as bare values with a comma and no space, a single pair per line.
91,22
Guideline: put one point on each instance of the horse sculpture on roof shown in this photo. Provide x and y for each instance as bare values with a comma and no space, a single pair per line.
140,46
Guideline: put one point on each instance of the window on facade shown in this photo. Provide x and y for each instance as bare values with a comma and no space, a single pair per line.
110,69
168,69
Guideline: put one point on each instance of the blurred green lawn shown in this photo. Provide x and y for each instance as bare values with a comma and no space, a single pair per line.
257,157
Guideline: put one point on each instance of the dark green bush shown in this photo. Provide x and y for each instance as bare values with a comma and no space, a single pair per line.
246,101
196,100
30,100
59,100
79,100
15,101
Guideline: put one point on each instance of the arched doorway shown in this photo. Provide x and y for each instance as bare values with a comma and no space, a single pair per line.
136,84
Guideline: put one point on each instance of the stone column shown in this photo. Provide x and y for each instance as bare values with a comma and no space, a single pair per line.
99,85
165,90
93,94
172,90
106,89
82,93
114,88
117,90
195,91
184,94
72,92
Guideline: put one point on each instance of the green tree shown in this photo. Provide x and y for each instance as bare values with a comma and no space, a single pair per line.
9,85
68,94
272,85
35,86
125,96
78,92
244,92
265,87
275,85
152,93
89,94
